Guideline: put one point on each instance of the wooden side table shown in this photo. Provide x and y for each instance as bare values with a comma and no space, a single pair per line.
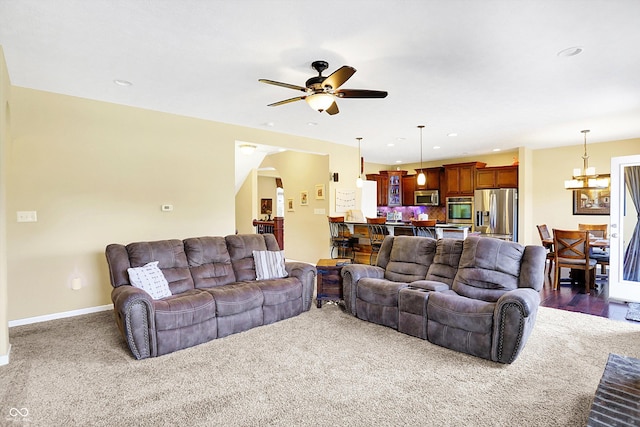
329,280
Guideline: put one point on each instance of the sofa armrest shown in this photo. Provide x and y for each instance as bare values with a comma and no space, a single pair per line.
513,320
429,285
135,316
306,273
351,273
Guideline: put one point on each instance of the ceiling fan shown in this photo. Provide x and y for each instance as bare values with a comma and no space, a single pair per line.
321,92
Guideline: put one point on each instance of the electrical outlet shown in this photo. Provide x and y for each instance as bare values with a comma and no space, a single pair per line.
27,216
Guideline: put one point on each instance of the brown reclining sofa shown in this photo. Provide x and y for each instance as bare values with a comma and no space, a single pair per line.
478,296
213,291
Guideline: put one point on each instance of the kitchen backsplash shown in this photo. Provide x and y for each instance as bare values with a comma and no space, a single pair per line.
411,212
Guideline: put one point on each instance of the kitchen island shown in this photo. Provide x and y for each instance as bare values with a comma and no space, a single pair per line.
360,230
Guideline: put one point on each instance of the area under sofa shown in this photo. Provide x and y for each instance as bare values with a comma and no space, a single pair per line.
479,295
214,291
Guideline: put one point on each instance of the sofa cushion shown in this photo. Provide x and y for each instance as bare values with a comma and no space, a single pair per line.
488,268
446,260
186,309
279,291
241,247
379,291
236,298
269,265
409,258
171,260
150,279
209,261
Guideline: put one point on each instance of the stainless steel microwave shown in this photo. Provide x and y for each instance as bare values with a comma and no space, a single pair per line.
426,198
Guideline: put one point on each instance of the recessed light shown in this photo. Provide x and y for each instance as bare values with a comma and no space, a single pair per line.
436,147
496,149
452,134
121,82
391,144
270,124
401,138
398,161
312,123
570,51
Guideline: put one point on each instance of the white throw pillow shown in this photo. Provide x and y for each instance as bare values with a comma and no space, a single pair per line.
149,278
269,265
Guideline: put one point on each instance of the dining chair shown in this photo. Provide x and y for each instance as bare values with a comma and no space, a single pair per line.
547,242
600,255
571,248
377,232
341,241
424,228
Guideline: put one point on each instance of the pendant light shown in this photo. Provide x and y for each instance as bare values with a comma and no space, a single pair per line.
422,179
587,177
359,180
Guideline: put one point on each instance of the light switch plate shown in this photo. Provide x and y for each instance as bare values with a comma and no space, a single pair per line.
27,216
167,208
319,211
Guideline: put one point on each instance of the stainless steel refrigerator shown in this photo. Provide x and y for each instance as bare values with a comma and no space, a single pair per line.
497,213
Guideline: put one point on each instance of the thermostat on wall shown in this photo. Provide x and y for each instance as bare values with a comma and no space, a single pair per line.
167,208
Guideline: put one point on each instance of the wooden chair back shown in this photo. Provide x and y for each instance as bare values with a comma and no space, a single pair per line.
571,248
424,227
377,220
597,230
543,231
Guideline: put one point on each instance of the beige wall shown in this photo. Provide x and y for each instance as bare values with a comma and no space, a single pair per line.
97,173
553,205
5,137
306,236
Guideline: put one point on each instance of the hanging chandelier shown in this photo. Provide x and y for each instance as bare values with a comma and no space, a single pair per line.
422,179
586,178
359,180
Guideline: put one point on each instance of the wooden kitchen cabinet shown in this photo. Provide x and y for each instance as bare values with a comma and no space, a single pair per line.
394,181
382,187
460,178
433,176
408,187
497,177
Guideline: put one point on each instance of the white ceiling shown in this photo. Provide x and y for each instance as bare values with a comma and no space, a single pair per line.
486,70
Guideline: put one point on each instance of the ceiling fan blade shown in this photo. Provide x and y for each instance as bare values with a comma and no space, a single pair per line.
287,85
360,93
286,101
338,77
333,109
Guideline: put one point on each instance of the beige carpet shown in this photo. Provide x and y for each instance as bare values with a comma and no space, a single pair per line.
323,367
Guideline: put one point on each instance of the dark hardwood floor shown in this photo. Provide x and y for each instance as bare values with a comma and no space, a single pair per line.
572,297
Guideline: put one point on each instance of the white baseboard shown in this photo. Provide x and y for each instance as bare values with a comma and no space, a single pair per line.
4,359
54,316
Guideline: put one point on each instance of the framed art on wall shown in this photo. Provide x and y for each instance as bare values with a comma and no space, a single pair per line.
320,192
265,206
592,202
304,198
290,205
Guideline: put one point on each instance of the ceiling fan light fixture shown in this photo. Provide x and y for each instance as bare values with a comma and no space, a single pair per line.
247,149
320,101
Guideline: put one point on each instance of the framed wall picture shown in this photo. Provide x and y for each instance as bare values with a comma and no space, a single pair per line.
320,192
592,202
290,205
265,206
304,198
